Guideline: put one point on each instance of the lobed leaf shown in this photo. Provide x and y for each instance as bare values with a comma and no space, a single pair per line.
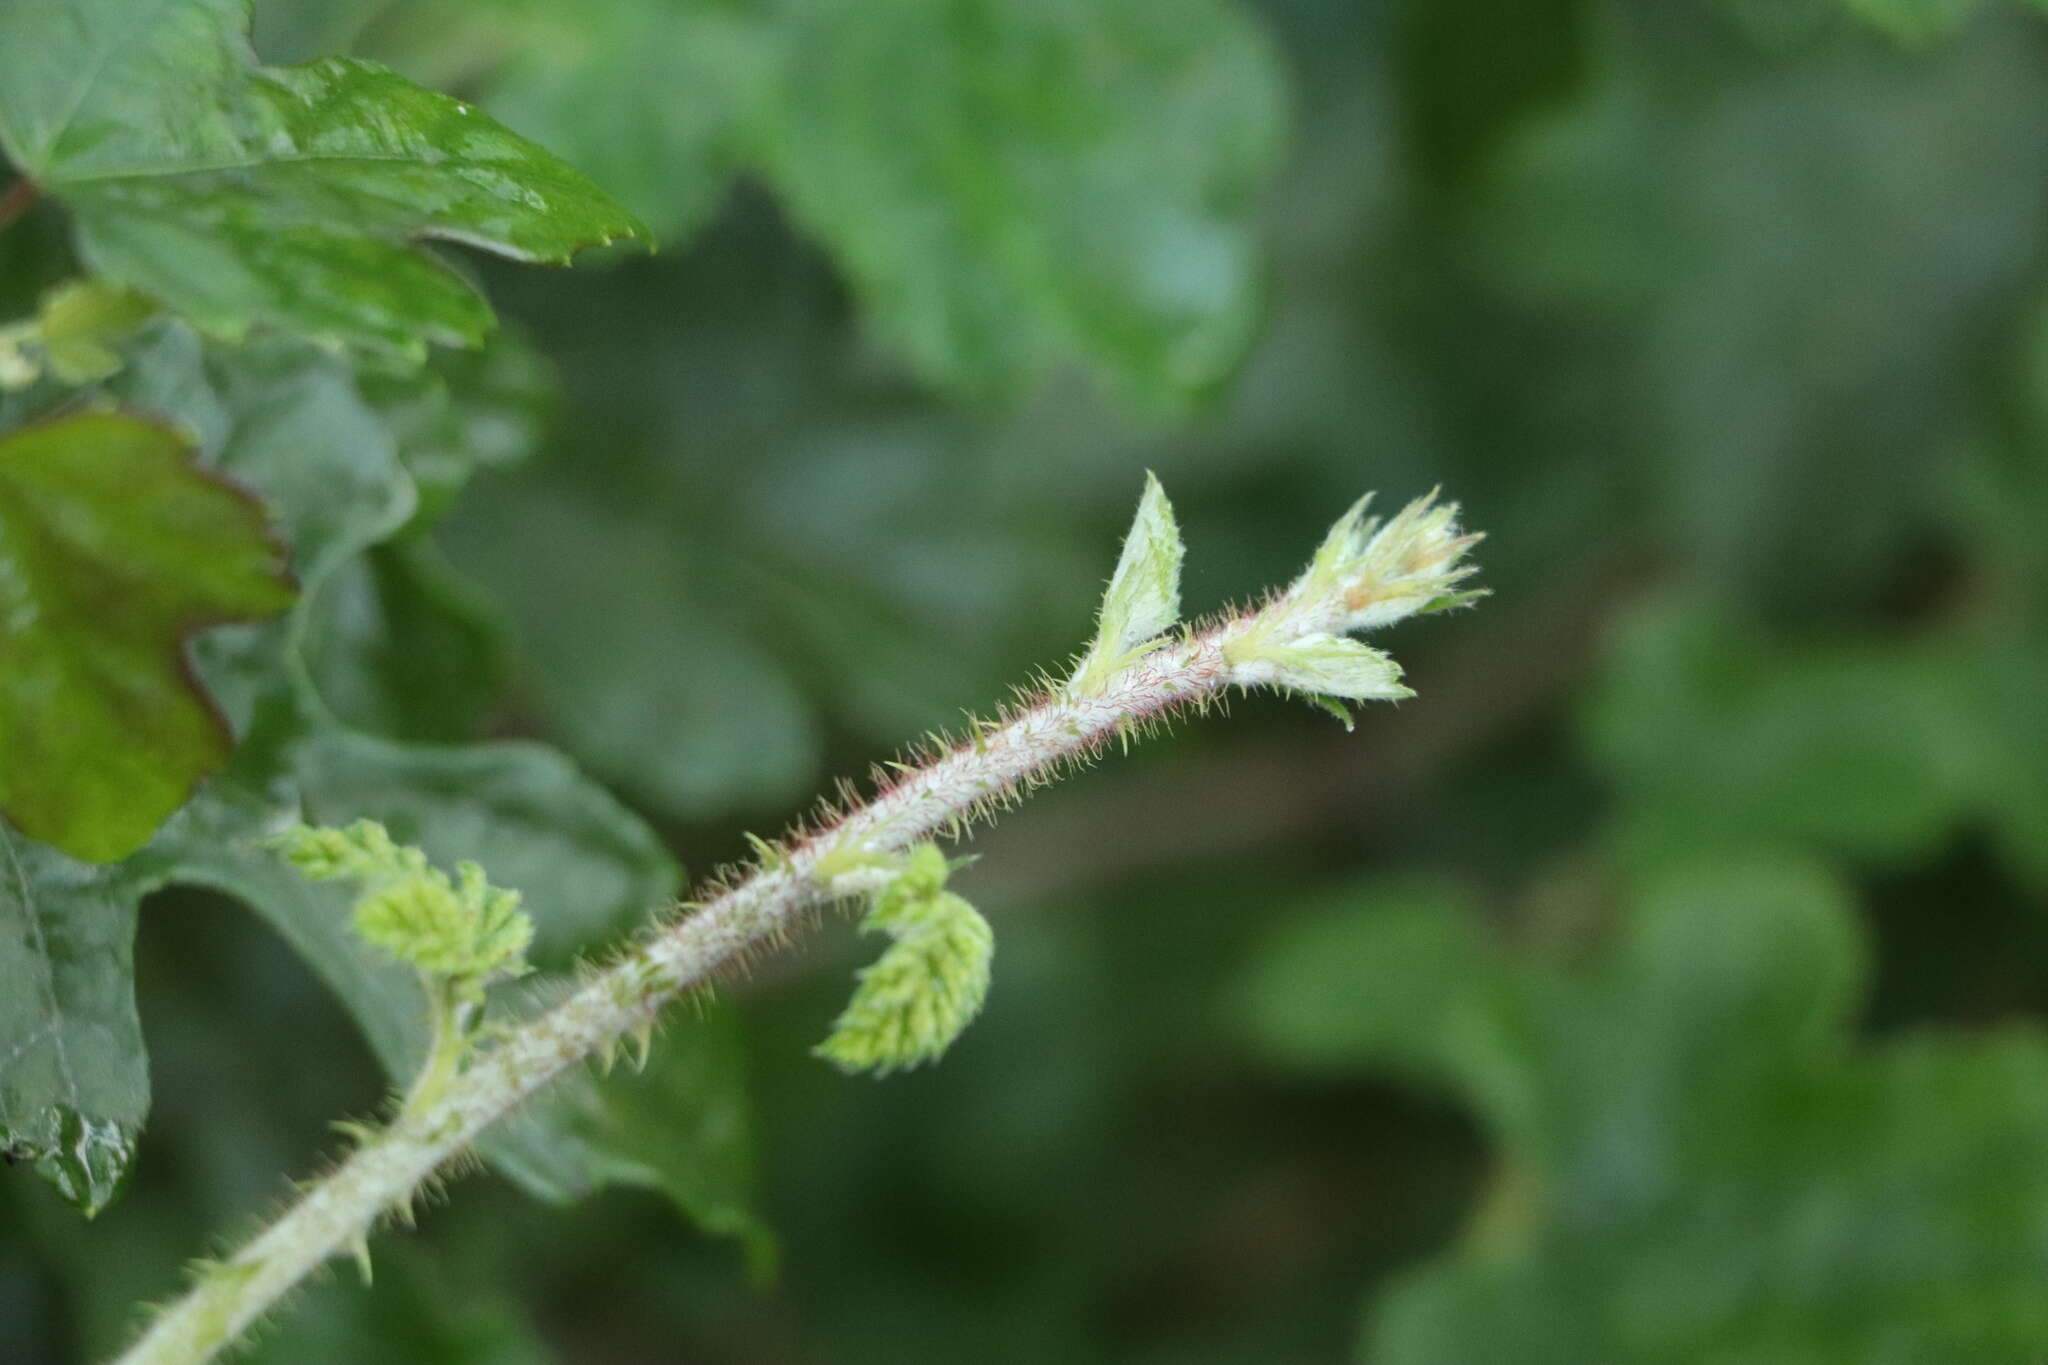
242,195
114,547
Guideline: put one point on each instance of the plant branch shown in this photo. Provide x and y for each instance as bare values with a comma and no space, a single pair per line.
1359,578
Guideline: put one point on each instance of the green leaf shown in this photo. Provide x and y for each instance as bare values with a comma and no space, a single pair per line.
294,197
461,927
289,421
1063,179
1324,666
586,866
74,1084
114,546
665,136
392,641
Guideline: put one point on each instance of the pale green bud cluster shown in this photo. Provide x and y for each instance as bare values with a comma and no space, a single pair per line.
919,995
465,930
1366,575
1363,575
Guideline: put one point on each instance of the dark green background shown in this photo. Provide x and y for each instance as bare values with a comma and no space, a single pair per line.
1661,985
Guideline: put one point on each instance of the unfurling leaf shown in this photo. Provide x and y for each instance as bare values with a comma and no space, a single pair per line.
1143,597
466,930
365,851
1322,665
920,994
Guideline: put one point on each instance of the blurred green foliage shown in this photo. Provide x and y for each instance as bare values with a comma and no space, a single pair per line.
1661,984
1692,1165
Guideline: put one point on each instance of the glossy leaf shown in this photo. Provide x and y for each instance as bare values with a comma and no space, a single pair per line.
664,135
294,197
114,546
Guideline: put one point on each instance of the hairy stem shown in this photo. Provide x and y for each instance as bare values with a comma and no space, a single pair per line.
761,908
1411,561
